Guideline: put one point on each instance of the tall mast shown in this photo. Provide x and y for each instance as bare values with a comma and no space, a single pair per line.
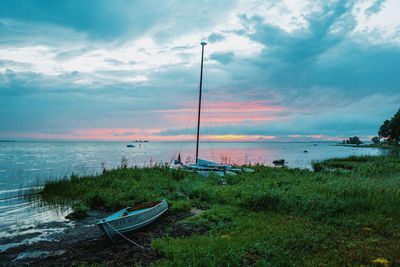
198,114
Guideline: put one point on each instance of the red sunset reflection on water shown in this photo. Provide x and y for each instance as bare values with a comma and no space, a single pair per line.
235,154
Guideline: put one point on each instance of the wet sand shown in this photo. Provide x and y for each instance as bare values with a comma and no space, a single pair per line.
82,241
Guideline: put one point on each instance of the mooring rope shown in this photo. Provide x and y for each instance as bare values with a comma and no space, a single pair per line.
118,232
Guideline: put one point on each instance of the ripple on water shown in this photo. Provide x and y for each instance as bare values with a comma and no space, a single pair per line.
10,196
29,220
32,170
9,245
32,254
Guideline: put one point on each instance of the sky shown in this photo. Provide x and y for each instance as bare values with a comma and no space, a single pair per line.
125,70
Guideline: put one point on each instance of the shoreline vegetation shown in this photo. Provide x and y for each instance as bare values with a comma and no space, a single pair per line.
345,212
380,146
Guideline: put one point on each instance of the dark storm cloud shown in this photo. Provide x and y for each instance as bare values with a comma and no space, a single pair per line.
111,20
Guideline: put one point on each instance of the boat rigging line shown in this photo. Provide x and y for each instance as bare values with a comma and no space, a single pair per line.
129,240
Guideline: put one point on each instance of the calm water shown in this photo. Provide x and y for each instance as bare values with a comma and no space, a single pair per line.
25,166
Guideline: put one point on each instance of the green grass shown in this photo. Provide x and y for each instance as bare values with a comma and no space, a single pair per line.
347,212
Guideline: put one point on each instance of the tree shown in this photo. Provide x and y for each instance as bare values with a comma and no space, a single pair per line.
390,129
385,130
354,140
375,140
395,125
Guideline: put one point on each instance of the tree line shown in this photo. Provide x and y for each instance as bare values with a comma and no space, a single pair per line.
389,132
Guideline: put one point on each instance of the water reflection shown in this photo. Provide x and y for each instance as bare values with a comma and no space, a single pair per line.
390,152
28,216
265,153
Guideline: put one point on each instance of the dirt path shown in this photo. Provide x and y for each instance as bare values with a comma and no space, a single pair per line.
84,242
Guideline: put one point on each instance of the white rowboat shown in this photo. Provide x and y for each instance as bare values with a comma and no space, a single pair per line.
132,218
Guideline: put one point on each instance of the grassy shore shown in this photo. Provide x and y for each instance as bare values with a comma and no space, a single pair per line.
346,212
380,146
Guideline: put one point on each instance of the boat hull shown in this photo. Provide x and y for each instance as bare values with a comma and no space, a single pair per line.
113,227
205,168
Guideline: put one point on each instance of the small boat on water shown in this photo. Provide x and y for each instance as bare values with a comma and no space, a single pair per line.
279,162
130,145
132,218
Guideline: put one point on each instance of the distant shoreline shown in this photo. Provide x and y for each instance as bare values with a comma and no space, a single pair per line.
158,141
380,146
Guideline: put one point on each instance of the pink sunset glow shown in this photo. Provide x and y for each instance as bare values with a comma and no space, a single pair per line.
130,134
253,106
106,134
223,113
318,136
123,134
333,138
221,119
240,137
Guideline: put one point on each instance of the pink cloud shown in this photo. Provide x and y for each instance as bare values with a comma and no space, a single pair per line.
253,106
333,138
107,134
223,113
318,136
220,119
231,137
149,134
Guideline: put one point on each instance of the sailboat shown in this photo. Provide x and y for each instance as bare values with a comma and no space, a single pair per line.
201,166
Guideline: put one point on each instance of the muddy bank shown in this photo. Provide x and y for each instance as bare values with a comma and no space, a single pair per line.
82,241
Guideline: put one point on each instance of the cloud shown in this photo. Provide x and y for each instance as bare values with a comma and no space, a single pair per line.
124,134
326,55
24,33
355,118
376,7
71,54
97,19
223,58
135,65
12,63
303,46
215,37
107,20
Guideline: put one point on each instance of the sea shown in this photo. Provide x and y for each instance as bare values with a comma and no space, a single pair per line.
26,166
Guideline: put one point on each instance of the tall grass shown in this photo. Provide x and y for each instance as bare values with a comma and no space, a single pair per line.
345,212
